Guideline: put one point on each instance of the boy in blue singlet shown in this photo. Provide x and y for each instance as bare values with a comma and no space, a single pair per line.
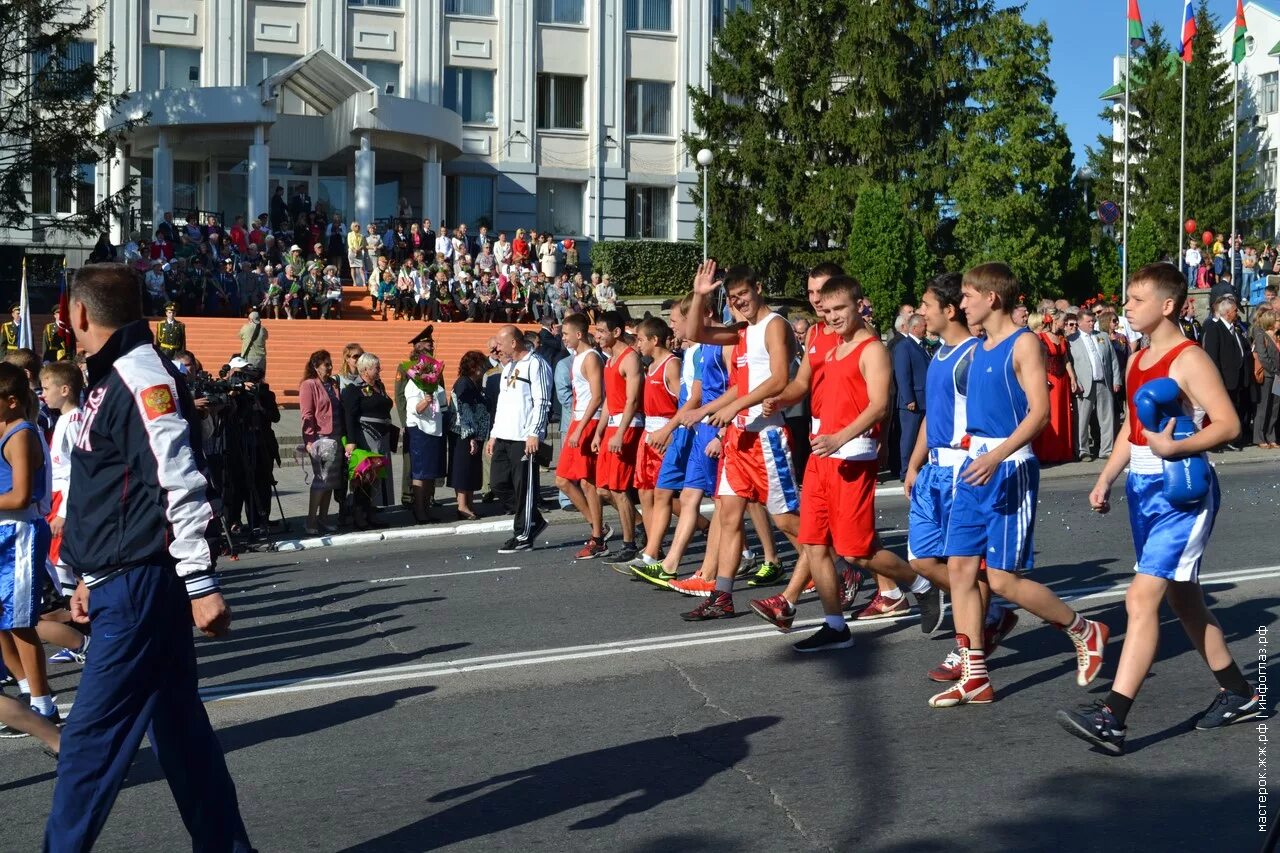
994,509
1169,538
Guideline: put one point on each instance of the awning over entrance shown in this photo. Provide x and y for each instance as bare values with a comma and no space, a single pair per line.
320,79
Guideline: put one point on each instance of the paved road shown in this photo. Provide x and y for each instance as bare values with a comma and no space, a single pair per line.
434,695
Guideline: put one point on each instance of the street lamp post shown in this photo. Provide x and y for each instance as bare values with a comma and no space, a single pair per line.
705,159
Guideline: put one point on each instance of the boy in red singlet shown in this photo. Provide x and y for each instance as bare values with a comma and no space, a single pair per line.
1170,532
617,436
575,472
661,393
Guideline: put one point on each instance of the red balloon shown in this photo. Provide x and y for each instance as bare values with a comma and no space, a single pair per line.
1207,237
1190,226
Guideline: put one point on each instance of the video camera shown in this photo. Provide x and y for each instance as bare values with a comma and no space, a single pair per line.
219,390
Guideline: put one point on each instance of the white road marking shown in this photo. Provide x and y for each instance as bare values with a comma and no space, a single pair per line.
445,574
413,672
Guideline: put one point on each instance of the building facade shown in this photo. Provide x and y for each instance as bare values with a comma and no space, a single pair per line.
561,115
1259,102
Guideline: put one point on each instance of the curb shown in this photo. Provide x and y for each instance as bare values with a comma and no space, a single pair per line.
559,517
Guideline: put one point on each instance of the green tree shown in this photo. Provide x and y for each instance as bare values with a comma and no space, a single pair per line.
52,93
888,254
1013,189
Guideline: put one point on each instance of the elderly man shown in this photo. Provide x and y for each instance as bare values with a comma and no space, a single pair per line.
253,342
910,364
519,428
1097,381
1230,351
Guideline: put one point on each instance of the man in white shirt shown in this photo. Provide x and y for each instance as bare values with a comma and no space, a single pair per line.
1097,381
519,427
444,245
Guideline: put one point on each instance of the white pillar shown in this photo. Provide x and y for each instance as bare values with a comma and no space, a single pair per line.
161,180
117,179
364,181
259,168
432,187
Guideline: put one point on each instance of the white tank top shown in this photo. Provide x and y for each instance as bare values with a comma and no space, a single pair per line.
581,385
752,369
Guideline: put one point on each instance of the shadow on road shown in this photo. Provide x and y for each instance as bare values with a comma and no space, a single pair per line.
647,773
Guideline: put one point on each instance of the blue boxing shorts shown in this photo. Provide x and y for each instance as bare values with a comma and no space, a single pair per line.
24,548
930,510
997,521
671,474
1170,542
702,471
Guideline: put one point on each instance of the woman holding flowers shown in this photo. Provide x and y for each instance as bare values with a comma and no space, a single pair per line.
366,410
425,402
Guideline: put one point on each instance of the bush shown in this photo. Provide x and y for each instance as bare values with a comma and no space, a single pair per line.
647,267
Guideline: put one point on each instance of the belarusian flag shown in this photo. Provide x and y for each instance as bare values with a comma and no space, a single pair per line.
1136,36
1237,45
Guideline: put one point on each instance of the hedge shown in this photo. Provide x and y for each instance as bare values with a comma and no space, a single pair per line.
647,267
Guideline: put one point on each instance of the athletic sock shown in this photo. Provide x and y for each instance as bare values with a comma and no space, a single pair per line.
42,705
1078,627
23,686
836,622
724,585
921,585
1119,705
892,594
1231,679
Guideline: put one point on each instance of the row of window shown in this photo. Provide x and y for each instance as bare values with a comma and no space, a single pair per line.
561,99
648,15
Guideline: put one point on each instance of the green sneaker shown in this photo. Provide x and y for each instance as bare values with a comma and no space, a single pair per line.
767,575
654,574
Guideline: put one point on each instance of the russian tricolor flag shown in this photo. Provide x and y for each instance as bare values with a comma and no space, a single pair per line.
1188,30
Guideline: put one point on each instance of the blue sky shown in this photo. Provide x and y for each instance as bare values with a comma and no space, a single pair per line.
1086,35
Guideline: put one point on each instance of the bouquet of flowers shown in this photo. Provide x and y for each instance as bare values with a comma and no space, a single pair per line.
426,372
365,467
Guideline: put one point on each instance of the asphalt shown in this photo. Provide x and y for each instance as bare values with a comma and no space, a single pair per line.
431,694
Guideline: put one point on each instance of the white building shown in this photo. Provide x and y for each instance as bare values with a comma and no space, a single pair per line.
563,115
1259,97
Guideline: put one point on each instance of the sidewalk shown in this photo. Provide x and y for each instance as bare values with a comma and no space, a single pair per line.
293,497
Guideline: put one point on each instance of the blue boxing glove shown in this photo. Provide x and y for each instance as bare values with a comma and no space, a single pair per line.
1186,480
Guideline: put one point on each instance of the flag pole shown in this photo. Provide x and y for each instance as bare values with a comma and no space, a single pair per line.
1235,130
1124,224
1182,168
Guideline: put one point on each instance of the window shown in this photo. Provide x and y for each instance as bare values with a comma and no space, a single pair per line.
390,4
652,15
469,93
560,207
165,67
73,193
721,9
560,11
1269,170
385,76
468,200
69,75
260,66
559,102
1270,93
649,107
478,8
648,213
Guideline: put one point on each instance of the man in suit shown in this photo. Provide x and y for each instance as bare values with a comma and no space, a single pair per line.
910,363
1097,381
1230,351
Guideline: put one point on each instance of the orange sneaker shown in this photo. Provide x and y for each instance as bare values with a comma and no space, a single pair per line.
694,585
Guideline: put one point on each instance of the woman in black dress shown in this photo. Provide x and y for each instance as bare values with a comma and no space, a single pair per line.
469,432
366,410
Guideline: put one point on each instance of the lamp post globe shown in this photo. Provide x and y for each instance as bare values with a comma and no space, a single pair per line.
705,157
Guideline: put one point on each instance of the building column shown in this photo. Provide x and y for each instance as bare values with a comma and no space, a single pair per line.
117,180
259,168
364,181
161,180
432,187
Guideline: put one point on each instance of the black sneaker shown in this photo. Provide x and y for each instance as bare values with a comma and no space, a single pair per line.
538,526
515,546
826,638
1228,708
1095,724
627,554
930,604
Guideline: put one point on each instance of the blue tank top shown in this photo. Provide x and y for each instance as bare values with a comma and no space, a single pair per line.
996,402
690,372
945,394
39,489
715,376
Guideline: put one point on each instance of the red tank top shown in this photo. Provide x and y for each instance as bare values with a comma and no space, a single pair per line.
615,385
659,402
842,390
821,342
1136,378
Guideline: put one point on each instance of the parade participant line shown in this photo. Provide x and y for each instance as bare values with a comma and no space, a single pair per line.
275,687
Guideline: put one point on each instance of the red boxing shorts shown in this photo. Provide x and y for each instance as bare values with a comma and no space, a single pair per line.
616,471
578,463
648,464
757,466
838,507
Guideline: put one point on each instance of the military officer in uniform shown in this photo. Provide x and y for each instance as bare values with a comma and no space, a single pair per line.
10,330
171,334
57,338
